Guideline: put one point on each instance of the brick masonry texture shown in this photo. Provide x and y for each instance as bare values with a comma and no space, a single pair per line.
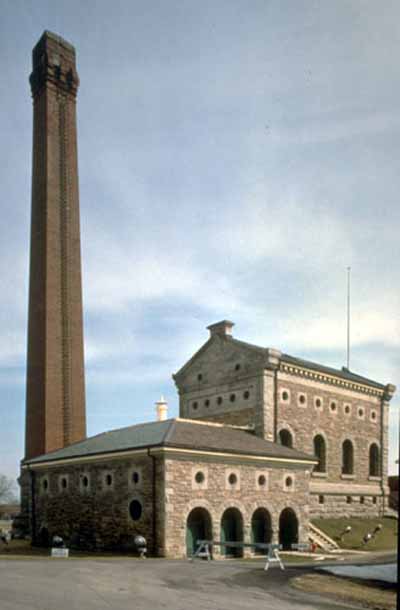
55,403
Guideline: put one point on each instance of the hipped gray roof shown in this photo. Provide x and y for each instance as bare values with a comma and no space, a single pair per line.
175,433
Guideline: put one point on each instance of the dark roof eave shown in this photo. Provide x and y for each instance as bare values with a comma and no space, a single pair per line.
43,458
296,458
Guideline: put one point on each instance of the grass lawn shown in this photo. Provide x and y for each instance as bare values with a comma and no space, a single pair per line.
385,540
376,596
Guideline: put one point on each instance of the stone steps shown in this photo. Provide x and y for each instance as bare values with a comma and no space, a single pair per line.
321,539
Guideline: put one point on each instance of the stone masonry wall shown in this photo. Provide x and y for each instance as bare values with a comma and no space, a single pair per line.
338,506
215,495
336,414
97,515
221,383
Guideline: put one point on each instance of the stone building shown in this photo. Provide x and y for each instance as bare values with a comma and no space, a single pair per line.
174,482
339,416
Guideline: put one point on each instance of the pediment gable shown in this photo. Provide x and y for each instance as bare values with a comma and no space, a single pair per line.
220,354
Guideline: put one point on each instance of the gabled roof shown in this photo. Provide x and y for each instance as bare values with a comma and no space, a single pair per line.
178,434
342,373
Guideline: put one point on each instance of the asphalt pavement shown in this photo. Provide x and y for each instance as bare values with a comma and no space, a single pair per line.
151,584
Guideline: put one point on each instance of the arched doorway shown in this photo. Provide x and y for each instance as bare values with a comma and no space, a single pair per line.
232,531
261,530
288,529
198,527
43,538
285,438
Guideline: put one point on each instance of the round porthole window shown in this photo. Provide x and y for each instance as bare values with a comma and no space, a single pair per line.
135,477
232,479
135,510
333,406
232,397
285,396
199,477
219,400
360,412
318,403
246,395
195,405
347,409
302,399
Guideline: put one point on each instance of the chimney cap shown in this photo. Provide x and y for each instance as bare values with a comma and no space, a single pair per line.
223,328
161,409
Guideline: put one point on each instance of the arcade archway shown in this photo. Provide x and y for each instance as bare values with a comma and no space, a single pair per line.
198,527
261,529
288,529
232,531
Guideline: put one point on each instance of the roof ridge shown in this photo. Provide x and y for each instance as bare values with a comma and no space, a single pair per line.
170,431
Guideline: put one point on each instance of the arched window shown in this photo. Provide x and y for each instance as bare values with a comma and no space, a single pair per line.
320,452
285,438
374,460
347,457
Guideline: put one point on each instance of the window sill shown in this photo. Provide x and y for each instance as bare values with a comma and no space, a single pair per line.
348,476
319,475
370,478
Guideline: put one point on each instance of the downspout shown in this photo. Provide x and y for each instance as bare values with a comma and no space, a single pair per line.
154,503
275,405
33,506
381,454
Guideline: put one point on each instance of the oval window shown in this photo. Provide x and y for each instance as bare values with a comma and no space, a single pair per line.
199,477
135,510
262,480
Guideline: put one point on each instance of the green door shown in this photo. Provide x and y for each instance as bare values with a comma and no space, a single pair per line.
261,528
196,529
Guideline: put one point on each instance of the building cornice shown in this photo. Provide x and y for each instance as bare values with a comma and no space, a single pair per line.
334,380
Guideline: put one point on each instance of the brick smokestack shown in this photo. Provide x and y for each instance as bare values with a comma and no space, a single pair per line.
55,399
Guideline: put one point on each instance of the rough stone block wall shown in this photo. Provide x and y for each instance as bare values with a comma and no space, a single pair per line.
221,383
216,495
242,417
345,421
336,506
96,516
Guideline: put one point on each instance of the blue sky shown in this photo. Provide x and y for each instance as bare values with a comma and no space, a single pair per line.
235,157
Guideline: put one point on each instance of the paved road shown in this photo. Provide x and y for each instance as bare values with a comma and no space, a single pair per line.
151,584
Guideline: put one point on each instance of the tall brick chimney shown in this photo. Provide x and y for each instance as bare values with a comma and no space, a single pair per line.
55,398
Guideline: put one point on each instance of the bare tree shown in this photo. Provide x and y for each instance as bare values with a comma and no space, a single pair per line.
7,490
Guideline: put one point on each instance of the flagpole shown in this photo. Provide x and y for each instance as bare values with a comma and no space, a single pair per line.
348,317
